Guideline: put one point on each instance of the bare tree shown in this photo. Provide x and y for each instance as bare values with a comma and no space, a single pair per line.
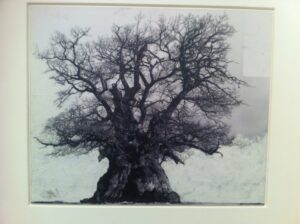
144,95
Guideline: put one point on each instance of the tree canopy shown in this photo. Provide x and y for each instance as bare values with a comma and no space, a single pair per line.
156,88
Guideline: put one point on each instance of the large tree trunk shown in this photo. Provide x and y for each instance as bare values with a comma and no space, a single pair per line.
142,181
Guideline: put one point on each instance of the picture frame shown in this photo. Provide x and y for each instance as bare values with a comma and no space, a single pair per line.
283,171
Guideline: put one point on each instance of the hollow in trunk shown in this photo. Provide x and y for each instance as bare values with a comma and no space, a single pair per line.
139,181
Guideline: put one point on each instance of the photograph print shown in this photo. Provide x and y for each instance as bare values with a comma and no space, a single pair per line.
148,105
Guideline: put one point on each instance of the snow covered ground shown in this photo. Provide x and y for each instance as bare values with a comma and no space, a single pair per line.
237,177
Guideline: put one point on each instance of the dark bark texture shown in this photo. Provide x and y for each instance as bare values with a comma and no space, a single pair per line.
141,181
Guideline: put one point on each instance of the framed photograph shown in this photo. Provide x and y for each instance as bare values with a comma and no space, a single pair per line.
148,105
146,112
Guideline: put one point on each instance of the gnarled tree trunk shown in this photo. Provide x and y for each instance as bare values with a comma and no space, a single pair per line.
142,181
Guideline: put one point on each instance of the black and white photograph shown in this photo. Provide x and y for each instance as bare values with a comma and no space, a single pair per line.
133,105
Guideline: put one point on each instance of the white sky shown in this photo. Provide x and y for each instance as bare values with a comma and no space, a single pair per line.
251,49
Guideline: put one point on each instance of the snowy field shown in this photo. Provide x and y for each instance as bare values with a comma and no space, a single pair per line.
237,177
